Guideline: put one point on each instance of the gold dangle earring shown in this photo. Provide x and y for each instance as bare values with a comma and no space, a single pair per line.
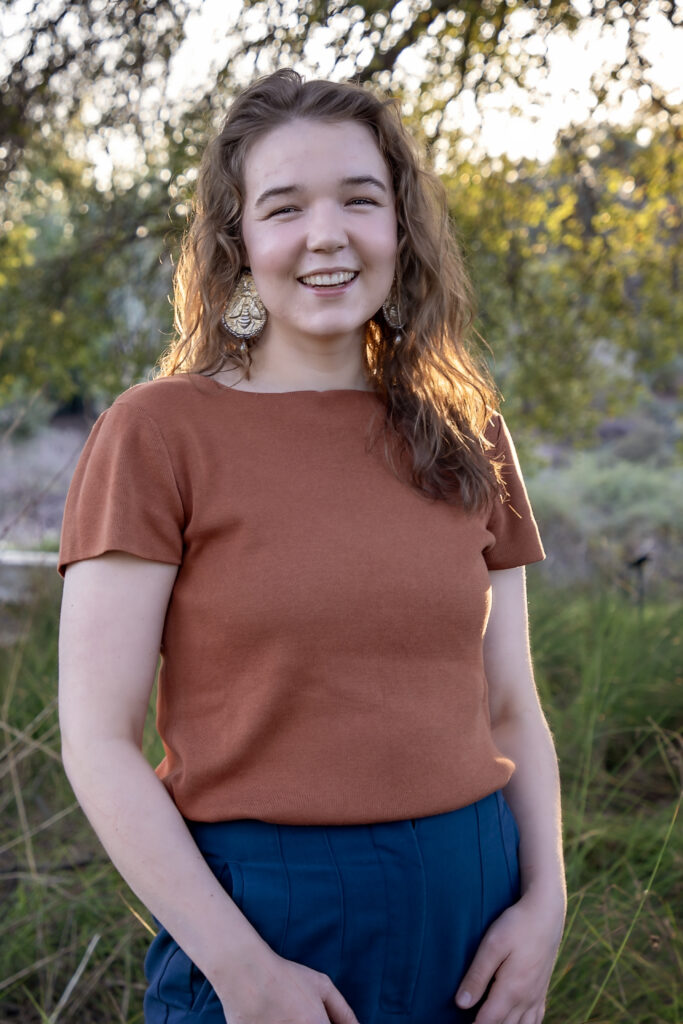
245,315
392,312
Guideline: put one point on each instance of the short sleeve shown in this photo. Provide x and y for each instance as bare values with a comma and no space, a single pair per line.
511,521
123,495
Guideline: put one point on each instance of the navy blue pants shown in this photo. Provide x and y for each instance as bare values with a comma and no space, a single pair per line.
393,912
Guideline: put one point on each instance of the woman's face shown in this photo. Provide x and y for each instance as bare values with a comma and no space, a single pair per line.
319,228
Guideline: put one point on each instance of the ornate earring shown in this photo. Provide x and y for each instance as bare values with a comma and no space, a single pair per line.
245,315
392,312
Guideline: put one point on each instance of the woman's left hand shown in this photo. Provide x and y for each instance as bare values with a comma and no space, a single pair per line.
518,952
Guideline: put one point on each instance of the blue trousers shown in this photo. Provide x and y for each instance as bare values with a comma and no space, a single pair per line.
392,912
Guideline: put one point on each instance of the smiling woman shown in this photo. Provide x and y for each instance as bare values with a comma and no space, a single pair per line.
359,788
323,263
322,178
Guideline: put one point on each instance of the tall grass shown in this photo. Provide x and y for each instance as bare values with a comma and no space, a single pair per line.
610,679
72,937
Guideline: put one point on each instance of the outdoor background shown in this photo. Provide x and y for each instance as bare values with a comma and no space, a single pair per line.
557,127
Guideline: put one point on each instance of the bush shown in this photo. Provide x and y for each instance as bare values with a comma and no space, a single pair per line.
598,515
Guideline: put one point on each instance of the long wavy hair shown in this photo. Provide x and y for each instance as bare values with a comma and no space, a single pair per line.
437,392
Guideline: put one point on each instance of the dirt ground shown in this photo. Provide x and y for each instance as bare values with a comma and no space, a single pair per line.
34,477
35,473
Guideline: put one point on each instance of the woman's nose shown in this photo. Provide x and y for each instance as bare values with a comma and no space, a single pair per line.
326,231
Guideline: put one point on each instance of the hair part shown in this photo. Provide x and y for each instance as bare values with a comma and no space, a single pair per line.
437,393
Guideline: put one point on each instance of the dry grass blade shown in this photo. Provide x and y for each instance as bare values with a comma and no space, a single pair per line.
30,832
97,975
25,972
25,836
139,918
74,979
23,738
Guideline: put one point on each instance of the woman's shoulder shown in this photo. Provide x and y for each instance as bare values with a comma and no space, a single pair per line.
494,427
162,396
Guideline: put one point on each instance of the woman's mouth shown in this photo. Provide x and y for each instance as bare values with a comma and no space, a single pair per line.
332,280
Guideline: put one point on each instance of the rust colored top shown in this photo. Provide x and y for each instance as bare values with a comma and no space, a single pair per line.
322,649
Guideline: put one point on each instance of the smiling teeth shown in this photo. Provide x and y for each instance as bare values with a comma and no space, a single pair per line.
341,277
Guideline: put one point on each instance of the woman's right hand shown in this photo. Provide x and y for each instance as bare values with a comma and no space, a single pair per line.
268,989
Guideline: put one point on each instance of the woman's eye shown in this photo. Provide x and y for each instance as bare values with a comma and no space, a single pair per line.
363,201
283,209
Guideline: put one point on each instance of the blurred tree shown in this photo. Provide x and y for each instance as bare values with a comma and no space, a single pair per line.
87,63
83,291
581,251
577,265
432,51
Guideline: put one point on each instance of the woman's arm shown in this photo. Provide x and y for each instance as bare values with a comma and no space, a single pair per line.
519,949
113,611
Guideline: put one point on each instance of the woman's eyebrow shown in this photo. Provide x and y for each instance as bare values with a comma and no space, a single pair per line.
364,179
279,190
282,190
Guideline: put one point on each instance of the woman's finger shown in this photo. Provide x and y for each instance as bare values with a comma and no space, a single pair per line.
486,962
338,1010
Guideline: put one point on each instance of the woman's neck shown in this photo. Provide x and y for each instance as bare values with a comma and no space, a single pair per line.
276,369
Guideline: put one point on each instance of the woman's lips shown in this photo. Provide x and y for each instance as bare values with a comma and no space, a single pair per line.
333,282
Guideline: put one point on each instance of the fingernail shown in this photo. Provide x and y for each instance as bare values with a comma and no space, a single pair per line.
464,999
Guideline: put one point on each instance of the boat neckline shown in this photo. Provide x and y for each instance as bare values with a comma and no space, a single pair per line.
295,391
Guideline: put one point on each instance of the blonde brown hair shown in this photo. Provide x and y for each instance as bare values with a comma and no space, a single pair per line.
438,395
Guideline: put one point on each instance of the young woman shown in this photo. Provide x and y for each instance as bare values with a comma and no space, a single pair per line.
315,514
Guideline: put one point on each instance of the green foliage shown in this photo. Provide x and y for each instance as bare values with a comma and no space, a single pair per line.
598,513
85,284
612,497
610,681
577,262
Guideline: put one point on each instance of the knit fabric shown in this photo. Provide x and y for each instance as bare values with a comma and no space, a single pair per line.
321,658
